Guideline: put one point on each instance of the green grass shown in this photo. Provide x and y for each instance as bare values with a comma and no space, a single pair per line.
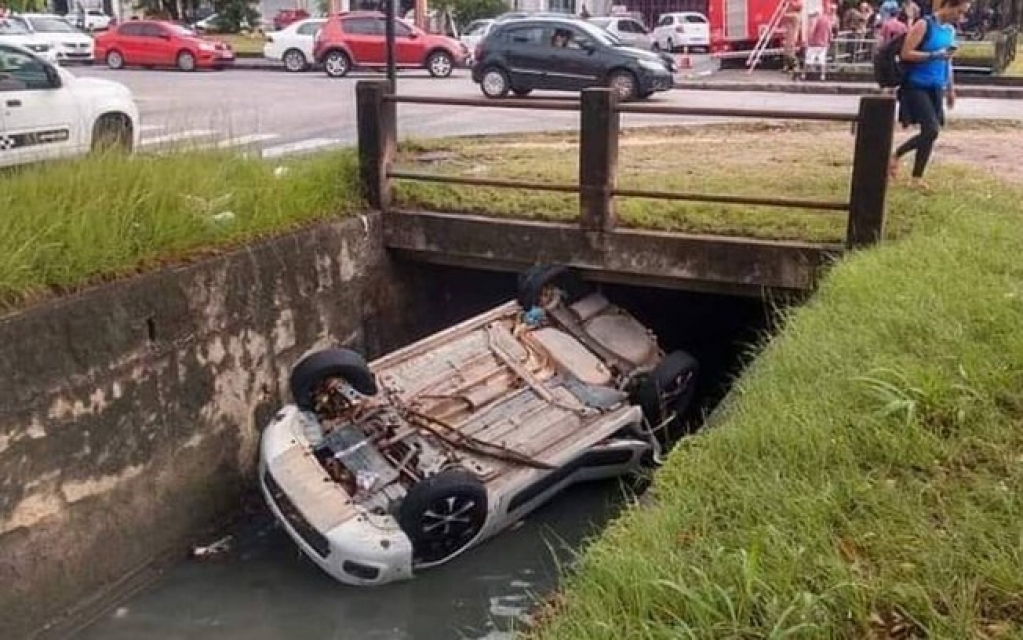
864,479
753,160
242,43
69,223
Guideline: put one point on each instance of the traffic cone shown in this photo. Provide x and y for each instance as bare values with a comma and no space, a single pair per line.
684,60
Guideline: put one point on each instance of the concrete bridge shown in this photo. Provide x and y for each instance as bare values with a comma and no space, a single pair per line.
596,245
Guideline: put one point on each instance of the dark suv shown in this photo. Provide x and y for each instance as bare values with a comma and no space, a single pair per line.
564,54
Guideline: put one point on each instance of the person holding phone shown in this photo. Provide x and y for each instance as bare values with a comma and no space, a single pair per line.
927,85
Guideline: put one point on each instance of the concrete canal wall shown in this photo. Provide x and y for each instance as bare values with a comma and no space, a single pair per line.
131,412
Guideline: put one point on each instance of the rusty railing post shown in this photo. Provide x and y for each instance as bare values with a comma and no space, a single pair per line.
598,159
875,128
377,123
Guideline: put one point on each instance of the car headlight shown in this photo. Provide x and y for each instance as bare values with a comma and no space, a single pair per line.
207,47
652,66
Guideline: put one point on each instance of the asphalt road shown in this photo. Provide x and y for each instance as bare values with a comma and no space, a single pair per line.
282,113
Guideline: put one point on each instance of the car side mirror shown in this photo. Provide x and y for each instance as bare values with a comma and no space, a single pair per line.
413,35
53,76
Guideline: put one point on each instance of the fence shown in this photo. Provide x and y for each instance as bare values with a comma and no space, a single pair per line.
600,124
849,52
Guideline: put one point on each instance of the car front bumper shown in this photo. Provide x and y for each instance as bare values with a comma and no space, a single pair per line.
363,549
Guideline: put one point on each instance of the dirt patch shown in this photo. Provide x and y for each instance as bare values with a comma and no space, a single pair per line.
997,151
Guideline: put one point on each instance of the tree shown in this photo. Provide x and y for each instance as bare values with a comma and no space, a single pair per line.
233,15
466,11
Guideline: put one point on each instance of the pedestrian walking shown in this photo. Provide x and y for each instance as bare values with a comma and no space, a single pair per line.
928,84
818,41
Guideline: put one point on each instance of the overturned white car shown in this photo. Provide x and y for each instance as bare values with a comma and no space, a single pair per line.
380,470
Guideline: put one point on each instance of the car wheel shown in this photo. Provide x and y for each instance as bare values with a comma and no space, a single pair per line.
623,83
337,64
522,93
186,61
494,83
115,60
534,281
294,60
666,392
655,46
671,46
310,375
443,514
440,64
645,95
112,132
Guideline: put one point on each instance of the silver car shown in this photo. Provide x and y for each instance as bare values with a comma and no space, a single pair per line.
629,30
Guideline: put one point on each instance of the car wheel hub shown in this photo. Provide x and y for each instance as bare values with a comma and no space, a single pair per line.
493,83
336,65
440,65
294,61
622,86
448,516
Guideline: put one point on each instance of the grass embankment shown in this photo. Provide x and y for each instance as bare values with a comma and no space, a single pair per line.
864,478
789,160
68,223
983,52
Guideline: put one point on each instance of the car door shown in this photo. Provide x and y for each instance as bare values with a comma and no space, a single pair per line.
129,42
40,119
634,34
156,45
365,39
527,55
574,66
408,49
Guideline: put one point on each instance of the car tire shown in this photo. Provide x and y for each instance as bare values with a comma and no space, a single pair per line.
440,64
443,514
337,64
656,46
308,376
534,280
666,392
294,61
112,132
522,93
186,61
495,83
624,84
114,59
645,95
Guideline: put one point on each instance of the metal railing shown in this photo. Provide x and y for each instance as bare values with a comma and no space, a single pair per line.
600,125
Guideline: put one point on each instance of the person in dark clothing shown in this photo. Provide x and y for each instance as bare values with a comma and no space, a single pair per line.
928,85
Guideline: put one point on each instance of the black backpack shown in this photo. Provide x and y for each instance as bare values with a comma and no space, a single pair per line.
888,67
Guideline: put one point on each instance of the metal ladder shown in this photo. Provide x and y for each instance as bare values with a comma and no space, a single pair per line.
767,35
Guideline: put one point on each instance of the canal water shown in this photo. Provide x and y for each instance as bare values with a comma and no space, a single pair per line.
264,589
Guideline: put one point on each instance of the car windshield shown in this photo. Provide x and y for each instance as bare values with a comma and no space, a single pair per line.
11,28
51,25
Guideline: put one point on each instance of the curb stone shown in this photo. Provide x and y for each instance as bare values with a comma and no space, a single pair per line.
1006,93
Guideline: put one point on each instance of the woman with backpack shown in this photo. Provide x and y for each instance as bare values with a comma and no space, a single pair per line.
927,83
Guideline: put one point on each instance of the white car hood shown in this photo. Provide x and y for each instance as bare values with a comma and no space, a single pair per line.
62,38
97,86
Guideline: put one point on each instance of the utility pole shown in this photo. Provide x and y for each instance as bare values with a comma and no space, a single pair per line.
392,75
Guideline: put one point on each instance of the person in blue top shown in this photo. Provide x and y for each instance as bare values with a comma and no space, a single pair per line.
927,84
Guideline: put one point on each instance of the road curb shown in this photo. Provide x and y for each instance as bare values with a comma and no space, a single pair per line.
1003,93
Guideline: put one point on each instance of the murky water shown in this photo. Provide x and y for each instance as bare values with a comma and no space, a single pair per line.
265,589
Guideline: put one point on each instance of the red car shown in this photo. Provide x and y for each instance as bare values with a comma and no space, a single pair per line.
284,17
154,43
356,39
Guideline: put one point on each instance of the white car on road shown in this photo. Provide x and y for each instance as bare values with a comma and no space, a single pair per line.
629,30
474,34
13,32
91,20
293,45
69,44
46,112
682,29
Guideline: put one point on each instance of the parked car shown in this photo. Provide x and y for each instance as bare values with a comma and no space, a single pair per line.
682,29
356,39
284,17
378,471
14,32
629,30
49,113
69,44
293,45
90,20
564,54
155,43
474,34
